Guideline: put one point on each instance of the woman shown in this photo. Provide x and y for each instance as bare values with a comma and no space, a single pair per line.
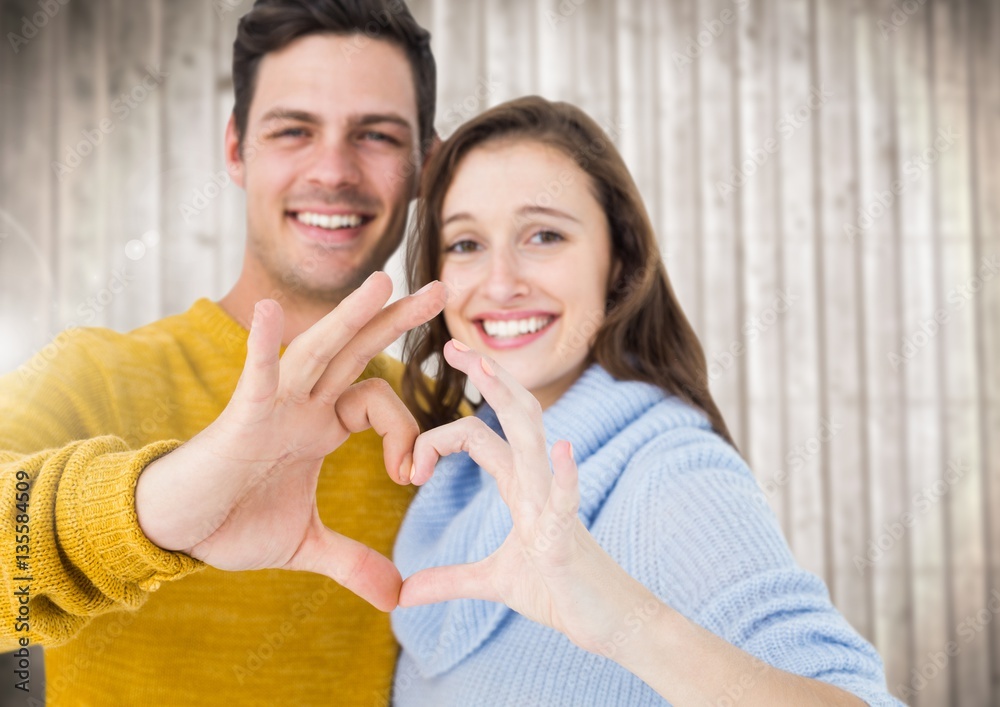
642,565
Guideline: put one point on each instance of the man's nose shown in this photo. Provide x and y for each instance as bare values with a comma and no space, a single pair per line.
335,165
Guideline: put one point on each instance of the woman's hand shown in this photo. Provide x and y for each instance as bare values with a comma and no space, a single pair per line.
549,568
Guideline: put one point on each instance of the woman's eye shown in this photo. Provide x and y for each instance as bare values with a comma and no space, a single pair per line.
464,246
546,237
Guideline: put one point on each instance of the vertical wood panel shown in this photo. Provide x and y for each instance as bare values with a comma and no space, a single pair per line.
961,285
229,218
81,242
679,177
634,79
555,76
984,100
844,444
456,27
28,200
189,247
878,254
798,233
717,151
595,63
766,440
133,32
508,34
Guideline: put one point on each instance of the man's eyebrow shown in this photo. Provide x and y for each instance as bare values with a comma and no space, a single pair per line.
374,118
365,120
301,116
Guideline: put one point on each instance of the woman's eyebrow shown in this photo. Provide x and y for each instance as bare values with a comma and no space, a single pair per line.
533,209
529,210
460,216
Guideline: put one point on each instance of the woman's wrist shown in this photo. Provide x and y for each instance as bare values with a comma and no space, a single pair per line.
652,631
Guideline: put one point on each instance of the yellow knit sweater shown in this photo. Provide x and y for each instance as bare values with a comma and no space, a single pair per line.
103,600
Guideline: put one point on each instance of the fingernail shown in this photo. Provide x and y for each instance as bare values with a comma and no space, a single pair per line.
406,468
425,288
570,446
413,471
487,367
256,315
459,346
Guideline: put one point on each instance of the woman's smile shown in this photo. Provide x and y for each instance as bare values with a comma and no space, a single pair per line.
509,330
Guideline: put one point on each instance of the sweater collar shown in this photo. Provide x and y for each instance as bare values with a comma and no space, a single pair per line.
594,410
228,334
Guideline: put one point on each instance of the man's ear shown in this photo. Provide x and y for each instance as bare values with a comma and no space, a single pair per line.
432,148
234,157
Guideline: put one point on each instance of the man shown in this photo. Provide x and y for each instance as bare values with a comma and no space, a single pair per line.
128,539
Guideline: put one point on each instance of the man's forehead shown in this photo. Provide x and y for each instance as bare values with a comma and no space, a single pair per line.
338,78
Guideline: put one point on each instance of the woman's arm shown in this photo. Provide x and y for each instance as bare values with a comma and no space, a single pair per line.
689,665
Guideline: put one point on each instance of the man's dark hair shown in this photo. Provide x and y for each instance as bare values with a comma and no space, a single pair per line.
274,24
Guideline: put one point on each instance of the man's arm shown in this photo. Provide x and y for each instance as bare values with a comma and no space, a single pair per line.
71,547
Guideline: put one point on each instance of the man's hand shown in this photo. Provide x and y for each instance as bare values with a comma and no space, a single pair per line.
241,495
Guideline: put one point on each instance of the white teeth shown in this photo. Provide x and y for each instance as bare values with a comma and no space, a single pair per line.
330,222
507,328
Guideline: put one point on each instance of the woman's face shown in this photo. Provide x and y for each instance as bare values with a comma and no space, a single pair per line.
526,257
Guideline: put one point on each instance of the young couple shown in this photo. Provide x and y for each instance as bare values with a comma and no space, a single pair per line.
589,536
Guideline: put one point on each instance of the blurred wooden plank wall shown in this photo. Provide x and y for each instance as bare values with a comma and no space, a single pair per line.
799,317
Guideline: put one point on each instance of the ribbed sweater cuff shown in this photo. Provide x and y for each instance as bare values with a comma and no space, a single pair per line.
97,498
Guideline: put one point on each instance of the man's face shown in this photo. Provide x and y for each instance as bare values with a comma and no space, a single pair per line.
327,163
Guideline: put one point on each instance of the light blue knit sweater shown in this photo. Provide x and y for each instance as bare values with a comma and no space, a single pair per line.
676,507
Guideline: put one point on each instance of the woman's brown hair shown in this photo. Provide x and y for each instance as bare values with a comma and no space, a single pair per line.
644,336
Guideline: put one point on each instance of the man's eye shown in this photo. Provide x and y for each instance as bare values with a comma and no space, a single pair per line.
376,136
464,246
291,132
546,237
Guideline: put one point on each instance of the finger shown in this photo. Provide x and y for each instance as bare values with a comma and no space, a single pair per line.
449,582
259,380
309,355
374,404
390,324
519,413
355,566
564,498
469,434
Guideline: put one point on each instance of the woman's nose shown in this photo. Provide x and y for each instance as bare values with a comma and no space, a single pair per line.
506,278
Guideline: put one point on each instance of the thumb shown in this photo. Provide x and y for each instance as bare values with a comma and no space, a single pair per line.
434,584
353,565
259,380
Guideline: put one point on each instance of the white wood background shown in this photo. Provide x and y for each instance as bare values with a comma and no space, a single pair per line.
843,441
